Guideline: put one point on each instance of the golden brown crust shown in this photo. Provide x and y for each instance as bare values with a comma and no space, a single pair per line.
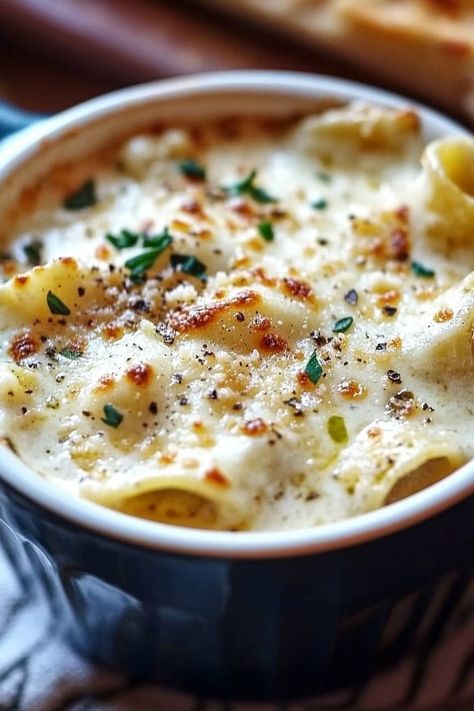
188,319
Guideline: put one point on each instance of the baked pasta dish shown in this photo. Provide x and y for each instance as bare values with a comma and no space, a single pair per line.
248,324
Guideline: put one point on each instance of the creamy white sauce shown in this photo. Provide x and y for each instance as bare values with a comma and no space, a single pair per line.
208,376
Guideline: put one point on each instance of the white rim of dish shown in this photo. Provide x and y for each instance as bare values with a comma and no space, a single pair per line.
164,537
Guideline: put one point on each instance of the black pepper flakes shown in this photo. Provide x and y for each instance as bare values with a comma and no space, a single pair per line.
351,297
318,338
153,408
389,310
166,334
296,405
140,306
394,376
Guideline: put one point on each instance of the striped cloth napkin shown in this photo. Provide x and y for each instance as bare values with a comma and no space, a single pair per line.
39,672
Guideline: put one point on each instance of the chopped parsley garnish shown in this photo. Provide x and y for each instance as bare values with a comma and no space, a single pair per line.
343,324
160,241
33,251
351,297
70,353
323,177
124,239
337,429
320,204
83,197
313,368
188,264
142,262
247,187
112,417
421,271
192,169
266,231
138,277
56,306
138,265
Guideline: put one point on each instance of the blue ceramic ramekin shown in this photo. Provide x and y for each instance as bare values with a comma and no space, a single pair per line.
247,615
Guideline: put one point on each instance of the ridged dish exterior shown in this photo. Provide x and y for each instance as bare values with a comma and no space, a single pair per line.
246,628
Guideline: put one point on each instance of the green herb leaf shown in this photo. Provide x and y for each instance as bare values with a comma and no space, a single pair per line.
124,239
421,271
320,204
313,368
138,277
266,231
160,241
323,177
189,265
112,417
83,197
192,169
247,187
244,185
261,195
337,429
70,353
138,265
343,324
33,251
56,306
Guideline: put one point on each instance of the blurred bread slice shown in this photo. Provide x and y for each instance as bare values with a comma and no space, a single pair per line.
424,47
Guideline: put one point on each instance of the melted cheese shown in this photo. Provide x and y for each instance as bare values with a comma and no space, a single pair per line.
216,389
